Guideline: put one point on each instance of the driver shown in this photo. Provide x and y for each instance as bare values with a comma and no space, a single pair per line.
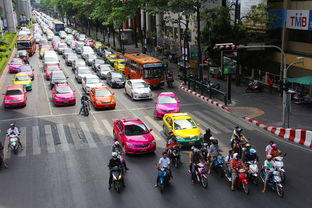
164,162
84,98
113,162
13,130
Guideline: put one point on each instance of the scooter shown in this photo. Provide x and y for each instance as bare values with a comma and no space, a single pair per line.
218,165
253,87
163,179
85,108
274,182
117,178
175,156
252,172
13,143
242,180
170,81
201,174
280,165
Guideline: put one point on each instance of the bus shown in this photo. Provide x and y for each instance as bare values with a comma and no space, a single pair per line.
27,43
142,66
58,26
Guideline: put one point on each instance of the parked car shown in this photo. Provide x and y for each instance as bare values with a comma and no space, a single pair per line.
138,89
115,79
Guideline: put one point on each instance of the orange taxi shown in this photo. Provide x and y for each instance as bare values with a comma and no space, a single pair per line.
102,97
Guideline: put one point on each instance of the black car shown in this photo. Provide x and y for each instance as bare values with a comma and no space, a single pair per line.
57,77
115,79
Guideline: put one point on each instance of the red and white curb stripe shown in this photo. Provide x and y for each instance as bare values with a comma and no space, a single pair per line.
205,98
299,136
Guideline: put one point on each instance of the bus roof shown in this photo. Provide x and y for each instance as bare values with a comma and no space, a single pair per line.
142,58
57,22
23,38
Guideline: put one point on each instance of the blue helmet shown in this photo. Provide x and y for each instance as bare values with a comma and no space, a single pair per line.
252,151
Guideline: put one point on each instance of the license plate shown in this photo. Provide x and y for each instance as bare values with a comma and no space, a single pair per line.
143,150
66,101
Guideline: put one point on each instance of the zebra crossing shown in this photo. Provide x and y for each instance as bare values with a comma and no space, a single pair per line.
59,137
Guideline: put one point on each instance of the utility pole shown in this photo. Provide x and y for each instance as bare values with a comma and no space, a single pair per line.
199,62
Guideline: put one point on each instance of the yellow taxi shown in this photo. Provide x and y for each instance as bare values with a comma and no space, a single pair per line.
183,127
23,79
112,58
43,49
98,45
119,65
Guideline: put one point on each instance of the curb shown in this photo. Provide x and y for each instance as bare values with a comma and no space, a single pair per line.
299,136
205,98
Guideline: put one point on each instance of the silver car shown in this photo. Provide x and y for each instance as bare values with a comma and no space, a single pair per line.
103,70
138,89
67,51
81,72
96,63
77,63
91,81
90,58
70,58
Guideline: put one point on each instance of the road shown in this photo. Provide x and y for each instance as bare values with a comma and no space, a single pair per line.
64,163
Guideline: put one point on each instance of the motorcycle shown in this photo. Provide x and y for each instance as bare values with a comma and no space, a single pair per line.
85,108
13,143
201,174
175,156
241,180
163,178
117,178
218,165
253,87
280,165
252,172
170,81
274,182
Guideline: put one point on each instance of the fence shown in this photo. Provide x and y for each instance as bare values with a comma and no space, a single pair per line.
206,89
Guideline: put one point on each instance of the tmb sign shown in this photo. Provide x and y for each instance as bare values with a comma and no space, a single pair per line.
298,19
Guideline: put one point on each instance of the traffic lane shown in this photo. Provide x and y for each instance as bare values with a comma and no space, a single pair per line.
35,98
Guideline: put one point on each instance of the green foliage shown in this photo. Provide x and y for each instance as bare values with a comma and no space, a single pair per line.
10,39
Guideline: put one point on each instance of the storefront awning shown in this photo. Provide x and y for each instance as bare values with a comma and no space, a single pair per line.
301,80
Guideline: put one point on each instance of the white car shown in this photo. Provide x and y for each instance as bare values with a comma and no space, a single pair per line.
63,34
138,89
91,81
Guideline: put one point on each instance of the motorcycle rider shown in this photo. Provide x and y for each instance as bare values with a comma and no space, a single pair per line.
113,162
245,150
268,147
275,152
251,155
118,148
227,161
164,162
236,164
172,143
84,98
195,158
237,136
13,130
269,166
207,136
213,153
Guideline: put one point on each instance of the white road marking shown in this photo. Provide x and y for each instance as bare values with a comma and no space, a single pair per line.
23,141
99,132
49,139
87,134
74,134
62,136
36,140
108,127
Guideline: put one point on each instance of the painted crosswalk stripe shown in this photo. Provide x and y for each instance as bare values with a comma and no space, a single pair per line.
49,139
212,121
23,141
203,123
62,136
36,140
108,127
157,127
77,141
100,132
87,134
7,154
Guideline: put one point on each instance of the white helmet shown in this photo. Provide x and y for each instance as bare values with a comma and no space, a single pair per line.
116,143
114,154
235,155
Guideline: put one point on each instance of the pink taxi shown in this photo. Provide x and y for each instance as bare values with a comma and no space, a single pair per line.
50,68
135,137
63,94
15,64
15,96
166,102
27,69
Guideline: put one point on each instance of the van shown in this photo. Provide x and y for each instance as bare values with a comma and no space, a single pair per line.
50,57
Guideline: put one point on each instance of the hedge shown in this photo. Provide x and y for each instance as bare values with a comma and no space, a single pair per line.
10,39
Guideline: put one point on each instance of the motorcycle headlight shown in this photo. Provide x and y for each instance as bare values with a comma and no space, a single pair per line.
119,177
129,144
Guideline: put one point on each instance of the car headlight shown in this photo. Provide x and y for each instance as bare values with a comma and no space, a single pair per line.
98,102
129,144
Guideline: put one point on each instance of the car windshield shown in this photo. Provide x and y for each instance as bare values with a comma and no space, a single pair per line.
22,78
136,129
139,84
181,124
14,92
72,56
25,69
93,80
113,57
99,61
106,68
102,93
53,68
167,100
46,46
51,59
62,46
117,75
58,76
92,57
63,90
17,62
121,63
84,71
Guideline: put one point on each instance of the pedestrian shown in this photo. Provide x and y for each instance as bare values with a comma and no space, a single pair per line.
270,83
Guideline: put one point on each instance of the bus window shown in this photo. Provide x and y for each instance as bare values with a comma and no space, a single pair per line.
22,45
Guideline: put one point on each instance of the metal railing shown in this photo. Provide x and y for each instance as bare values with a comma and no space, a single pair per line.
206,89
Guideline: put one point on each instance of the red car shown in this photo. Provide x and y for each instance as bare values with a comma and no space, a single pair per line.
90,43
63,94
14,96
134,136
50,68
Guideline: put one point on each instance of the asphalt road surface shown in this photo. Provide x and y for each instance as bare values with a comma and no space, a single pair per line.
64,162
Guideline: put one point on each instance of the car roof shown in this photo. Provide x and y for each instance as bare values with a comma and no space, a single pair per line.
101,88
60,71
129,121
137,80
167,94
179,115
14,87
91,76
21,74
62,85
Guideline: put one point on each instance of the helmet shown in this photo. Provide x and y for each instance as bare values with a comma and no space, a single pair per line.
236,156
239,130
274,146
248,145
114,154
196,150
193,148
12,124
269,157
205,144
252,151
116,143
236,127
211,138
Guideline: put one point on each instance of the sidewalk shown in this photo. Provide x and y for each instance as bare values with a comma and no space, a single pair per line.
264,107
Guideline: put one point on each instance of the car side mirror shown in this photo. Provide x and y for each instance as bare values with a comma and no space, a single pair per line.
155,102
179,101
150,129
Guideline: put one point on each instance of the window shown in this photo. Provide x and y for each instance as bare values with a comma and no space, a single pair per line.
304,36
136,129
181,124
14,92
102,93
23,45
